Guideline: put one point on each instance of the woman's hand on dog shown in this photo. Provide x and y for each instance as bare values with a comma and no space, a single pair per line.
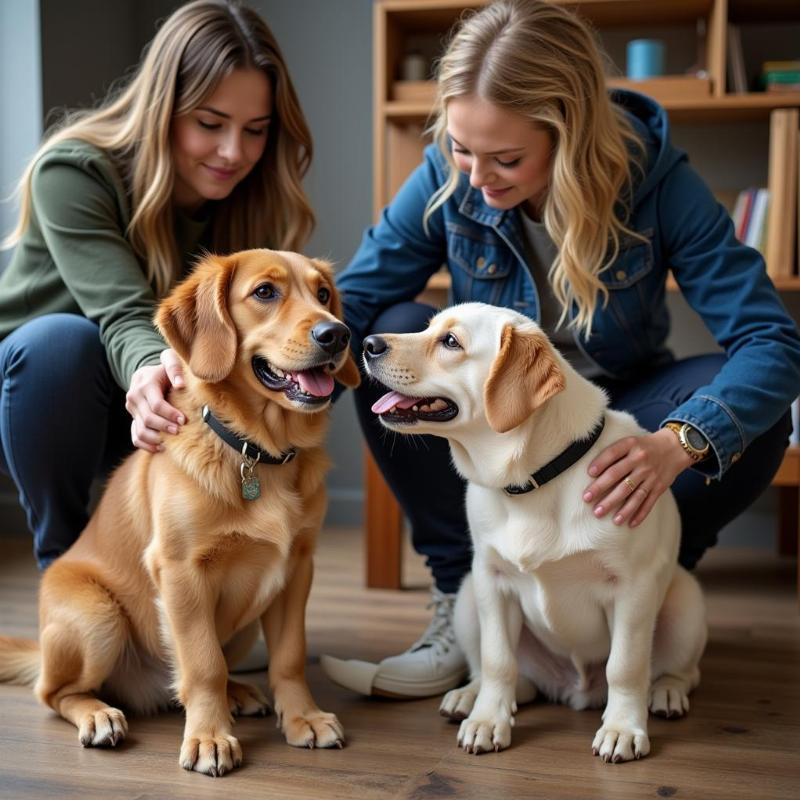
631,474
146,402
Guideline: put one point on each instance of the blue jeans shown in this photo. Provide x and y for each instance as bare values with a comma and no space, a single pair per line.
62,424
420,474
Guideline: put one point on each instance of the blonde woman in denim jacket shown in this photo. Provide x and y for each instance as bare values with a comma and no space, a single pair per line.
546,194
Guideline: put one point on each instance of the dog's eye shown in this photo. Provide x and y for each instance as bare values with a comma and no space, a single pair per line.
451,342
323,294
265,291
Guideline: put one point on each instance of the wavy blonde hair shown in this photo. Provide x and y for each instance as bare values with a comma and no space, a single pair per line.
196,47
541,61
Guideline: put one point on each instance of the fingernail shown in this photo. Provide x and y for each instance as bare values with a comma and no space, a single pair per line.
593,470
598,510
160,448
178,381
618,519
181,420
172,428
587,496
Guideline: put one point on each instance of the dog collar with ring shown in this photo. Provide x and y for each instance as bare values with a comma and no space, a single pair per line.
561,463
251,455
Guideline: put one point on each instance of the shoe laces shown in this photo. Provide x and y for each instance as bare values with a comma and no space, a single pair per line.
439,634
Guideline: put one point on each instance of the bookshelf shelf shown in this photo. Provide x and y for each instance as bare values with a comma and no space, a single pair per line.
728,108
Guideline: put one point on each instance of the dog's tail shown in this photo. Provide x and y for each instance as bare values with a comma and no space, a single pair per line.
19,661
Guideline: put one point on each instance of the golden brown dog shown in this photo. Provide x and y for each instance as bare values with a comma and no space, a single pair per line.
191,548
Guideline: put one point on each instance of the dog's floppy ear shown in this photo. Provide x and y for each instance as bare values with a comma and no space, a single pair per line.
524,375
195,321
349,374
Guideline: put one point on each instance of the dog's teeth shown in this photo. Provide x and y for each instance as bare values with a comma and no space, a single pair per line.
279,372
438,405
416,408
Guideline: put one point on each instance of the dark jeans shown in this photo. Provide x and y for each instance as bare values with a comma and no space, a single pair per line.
62,424
418,468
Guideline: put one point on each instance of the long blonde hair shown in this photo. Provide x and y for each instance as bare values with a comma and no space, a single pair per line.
196,47
539,60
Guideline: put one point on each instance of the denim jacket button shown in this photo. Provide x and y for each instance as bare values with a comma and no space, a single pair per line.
735,457
491,269
620,275
480,262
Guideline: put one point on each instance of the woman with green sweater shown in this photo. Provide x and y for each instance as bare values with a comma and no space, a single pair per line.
204,148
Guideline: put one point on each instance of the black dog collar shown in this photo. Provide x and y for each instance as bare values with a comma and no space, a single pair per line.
560,463
242,446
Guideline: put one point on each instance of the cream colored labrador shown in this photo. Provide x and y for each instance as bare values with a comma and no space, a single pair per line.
578,608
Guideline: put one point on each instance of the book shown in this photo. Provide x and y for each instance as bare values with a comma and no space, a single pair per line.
741,228
736,69
757,223
739,211
782,185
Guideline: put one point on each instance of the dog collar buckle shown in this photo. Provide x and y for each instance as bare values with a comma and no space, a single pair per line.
289,456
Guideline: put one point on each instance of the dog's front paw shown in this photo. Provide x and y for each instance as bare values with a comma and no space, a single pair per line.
668,698
484,735
246,700
104,728
312,729
615,743
457,703
211,755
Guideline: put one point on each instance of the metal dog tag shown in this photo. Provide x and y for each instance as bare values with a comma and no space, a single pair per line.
251,486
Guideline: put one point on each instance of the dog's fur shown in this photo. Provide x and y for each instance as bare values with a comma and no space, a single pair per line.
567,603
165,588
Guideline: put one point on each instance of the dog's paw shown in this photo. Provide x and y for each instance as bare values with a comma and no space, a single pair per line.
484,735
247,700
457,703
104,728
314,729
668,698
615,743
211,755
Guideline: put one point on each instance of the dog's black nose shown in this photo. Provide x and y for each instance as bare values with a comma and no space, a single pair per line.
374,346
332,337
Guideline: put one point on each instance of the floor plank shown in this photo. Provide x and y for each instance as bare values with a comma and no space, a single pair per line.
741,739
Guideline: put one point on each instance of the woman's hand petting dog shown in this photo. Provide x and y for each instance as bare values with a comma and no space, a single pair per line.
146,401
633,473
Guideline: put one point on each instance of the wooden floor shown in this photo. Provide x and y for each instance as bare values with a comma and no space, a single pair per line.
741,739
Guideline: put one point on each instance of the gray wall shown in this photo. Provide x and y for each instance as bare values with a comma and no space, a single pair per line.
20,100
328,46
329,54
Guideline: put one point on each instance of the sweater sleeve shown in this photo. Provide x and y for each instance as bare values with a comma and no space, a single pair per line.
77,208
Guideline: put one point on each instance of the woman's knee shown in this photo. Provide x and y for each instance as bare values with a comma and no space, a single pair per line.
57,349
407,317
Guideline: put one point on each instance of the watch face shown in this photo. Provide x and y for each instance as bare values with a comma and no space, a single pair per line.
695,438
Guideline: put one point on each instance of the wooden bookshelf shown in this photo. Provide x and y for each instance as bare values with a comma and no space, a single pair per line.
399,139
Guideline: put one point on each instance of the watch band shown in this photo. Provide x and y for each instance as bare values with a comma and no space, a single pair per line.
680,429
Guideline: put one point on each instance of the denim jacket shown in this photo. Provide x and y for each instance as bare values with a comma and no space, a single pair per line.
686,230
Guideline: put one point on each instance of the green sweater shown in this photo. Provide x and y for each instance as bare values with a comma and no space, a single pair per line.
75,257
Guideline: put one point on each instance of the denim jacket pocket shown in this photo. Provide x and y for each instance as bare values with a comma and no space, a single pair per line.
479,265
633,262
630,294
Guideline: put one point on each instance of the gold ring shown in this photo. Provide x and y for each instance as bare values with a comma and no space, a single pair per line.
630,484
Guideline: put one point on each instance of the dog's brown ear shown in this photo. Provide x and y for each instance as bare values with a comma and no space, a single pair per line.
195,321
524,375
349,374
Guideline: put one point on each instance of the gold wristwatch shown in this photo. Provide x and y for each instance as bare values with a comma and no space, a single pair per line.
692,441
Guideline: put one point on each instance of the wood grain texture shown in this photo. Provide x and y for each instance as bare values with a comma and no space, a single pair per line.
740,741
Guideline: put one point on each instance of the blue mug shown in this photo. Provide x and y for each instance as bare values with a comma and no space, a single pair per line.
645,59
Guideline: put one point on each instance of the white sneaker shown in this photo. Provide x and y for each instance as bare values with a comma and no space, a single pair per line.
432,665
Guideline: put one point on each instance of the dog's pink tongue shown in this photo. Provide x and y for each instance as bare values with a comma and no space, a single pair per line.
393,399
314,381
